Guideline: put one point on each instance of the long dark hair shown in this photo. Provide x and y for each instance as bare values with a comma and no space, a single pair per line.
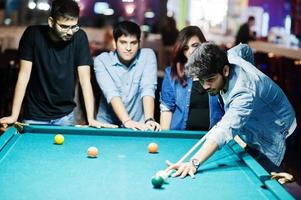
177,71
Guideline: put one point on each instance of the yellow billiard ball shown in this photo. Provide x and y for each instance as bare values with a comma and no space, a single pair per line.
92,152
59,139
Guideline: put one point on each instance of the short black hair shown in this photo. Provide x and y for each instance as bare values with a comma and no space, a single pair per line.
251,18
67,9
206,60
126,28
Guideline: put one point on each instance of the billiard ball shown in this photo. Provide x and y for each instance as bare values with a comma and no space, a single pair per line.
152,148
58,139
157,181
163,174
92,152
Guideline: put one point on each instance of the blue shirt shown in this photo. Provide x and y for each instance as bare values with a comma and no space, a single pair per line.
256,109
131,83
176,99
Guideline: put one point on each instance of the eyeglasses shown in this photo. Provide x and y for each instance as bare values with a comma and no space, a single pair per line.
65,28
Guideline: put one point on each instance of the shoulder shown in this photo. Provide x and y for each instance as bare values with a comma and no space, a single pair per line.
244,51
105,57
34,33
147,52
35,29
80,36
167,76
81,33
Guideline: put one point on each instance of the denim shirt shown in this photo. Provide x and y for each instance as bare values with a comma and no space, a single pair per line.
131,83
176,99
256,109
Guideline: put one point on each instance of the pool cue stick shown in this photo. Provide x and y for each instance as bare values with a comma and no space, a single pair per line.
199,143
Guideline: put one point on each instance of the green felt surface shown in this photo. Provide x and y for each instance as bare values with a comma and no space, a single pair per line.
32,167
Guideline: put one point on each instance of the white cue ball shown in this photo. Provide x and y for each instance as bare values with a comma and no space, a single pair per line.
163,174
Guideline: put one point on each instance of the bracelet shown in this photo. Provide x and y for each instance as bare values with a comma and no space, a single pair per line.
149,119
127,120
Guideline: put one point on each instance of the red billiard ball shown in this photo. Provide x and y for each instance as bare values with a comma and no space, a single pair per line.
153,148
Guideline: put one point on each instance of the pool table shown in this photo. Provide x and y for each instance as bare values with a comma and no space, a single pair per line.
33,167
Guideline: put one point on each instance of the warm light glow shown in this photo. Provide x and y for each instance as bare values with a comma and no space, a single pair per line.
130,1
81,7
297,62
271,55
129,9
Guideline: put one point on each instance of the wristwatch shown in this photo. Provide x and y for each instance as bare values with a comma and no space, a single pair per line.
195,162
149,119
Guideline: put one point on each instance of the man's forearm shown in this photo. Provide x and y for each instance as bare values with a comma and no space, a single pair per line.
89,100
85,83
119,109
209,147
149,107
21,85
165,120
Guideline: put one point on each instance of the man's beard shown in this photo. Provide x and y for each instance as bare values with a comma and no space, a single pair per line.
222,88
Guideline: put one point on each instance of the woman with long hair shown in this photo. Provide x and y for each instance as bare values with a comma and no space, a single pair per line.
184,104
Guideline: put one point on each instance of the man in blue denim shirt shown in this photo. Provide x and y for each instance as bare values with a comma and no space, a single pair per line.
178,102
128,80
256,109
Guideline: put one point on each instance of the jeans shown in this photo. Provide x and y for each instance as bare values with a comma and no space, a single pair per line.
266,162
67,120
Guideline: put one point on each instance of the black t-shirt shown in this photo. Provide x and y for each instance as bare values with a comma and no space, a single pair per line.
198,117
51,88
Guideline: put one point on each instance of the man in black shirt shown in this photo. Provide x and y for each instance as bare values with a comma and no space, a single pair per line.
244,34
50,57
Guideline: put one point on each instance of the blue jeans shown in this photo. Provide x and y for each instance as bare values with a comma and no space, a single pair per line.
67,120
266,162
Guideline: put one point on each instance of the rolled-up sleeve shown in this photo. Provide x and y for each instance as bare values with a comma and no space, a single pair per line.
244,51
104,78
149,77
167,95
235,118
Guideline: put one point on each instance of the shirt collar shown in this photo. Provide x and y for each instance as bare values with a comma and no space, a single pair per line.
230,82
116,61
